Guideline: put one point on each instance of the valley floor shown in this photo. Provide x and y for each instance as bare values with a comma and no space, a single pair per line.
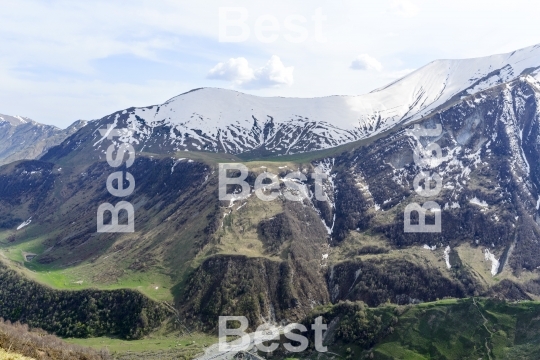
156,346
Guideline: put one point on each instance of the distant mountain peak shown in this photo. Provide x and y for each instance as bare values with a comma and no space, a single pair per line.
15,120
219,120
23,138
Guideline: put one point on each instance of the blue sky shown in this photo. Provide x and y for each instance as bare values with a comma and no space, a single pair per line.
66,60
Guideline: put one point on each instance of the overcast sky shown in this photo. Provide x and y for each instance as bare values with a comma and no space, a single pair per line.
66,60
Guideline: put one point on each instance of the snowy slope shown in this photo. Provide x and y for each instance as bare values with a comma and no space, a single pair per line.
438,82
228,121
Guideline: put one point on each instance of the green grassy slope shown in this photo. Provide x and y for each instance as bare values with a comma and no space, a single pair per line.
466,329
472,328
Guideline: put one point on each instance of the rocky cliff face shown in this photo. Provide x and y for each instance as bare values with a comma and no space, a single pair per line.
489,201
489,173
285,282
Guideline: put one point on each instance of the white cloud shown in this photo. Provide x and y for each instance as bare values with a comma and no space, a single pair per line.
273,74
235,70
366,62
403,8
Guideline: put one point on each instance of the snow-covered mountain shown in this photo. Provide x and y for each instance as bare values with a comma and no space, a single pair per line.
296,255
232,122
23,138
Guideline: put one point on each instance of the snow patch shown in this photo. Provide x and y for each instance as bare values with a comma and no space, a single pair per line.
488,256
175,163
476,201
24,224
447,257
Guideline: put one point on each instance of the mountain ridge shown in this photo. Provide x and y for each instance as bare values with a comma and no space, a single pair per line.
228,121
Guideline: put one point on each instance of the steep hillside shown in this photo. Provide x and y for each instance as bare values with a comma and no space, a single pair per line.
488,205
446,329
122,313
